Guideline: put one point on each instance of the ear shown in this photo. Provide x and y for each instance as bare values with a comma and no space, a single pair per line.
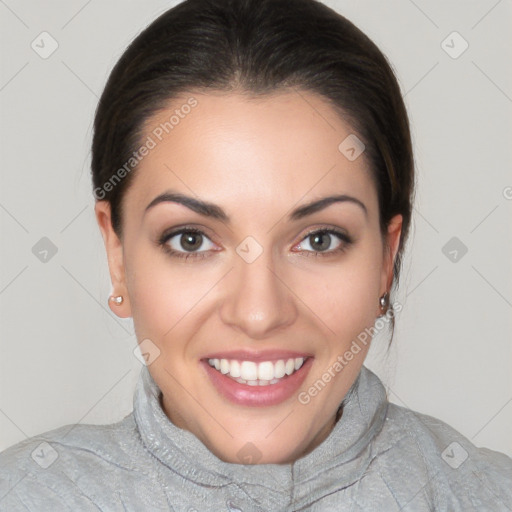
390,250
114,248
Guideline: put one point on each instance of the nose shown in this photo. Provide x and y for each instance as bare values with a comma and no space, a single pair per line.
257,300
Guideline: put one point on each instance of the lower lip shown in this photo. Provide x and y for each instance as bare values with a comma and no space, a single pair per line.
258,396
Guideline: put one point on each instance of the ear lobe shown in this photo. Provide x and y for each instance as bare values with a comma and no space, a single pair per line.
114,249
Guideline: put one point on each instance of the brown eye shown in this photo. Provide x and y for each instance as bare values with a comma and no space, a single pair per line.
186,241
191,241
324,242
320,241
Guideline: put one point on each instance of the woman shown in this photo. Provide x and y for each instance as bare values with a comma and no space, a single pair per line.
253,175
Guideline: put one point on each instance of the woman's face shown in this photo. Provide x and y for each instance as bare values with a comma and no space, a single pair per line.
260,279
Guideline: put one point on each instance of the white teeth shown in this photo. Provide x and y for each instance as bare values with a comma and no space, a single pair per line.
257,374
248,370
235,369
224,366
279,369
266,371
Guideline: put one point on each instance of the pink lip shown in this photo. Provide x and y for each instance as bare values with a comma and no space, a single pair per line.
257,396
257,356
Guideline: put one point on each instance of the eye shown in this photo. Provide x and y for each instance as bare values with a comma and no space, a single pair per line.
189,241
186,242
325,242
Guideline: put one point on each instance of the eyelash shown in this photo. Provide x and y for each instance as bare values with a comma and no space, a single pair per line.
345,239
178,254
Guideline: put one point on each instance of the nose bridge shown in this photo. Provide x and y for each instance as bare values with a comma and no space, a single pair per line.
255,299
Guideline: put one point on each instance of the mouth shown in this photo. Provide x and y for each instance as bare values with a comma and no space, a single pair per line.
266,373
257,383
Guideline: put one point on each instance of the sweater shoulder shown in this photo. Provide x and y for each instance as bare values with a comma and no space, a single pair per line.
65,465
430,432
76,440
445,463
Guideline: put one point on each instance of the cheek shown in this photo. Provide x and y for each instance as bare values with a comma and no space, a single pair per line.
344,296
161,293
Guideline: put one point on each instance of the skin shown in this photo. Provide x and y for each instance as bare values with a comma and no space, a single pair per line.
257,159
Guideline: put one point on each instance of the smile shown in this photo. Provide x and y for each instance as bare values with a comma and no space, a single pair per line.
259,383
264,373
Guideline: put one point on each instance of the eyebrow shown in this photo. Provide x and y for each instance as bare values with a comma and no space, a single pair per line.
320,204
216,212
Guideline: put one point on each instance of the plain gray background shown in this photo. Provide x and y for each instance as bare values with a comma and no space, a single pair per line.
65,358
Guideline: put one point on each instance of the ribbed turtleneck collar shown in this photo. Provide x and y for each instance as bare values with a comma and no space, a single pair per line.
339,461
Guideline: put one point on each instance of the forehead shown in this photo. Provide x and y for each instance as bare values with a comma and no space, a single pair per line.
270,149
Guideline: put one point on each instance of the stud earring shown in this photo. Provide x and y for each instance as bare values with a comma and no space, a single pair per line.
384,302
117,300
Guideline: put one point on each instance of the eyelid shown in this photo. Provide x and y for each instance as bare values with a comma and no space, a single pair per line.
186,228
341,233
168,234
179,234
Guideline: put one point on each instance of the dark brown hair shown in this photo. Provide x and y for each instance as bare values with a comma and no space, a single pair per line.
258,47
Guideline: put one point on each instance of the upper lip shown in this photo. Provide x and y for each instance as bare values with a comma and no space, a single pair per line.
257,356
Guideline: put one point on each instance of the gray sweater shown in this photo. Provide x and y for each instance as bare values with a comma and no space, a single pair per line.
379,457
